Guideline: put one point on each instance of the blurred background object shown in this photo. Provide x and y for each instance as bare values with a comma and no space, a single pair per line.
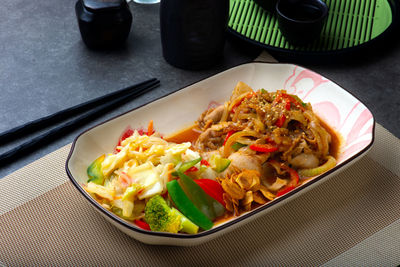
103,23
193,32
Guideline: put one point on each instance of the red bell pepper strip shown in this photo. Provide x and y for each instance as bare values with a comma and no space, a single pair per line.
212,188
288,105
228,135
204,162
294,176
293,100
279,122
285,190
248,96
265,148
289,99
128,132
206,204
143,225
191,169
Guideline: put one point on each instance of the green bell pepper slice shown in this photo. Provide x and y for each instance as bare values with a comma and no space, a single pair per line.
236,146
189,164
94,171
206,204
187,207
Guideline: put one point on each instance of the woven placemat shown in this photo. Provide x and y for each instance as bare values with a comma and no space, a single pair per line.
45,220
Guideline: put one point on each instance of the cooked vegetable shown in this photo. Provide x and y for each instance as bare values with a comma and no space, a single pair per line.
265,148
128,132
236,146
189,164
218,163
162,218
239,155
143,225
329,164
212,188
187,207
206,204
94,171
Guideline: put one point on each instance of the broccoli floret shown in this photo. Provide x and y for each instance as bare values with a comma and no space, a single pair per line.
162,218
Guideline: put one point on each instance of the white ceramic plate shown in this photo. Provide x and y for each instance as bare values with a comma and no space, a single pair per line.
337,107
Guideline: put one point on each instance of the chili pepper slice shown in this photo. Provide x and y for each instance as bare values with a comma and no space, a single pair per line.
212,188
192,169
204,162
143,225
228,135
284,190
288,105
186,206
128,132
299,100
188,164
294,101
279,122
265,148
294,176
289,99
248,96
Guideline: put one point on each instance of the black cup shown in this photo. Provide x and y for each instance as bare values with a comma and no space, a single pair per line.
193,32
301,21
103,23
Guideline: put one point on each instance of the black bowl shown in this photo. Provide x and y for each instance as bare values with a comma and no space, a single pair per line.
301,21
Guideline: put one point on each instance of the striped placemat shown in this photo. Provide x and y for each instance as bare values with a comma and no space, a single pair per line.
349,23
45,221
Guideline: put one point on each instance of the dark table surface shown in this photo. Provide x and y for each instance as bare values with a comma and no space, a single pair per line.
45,67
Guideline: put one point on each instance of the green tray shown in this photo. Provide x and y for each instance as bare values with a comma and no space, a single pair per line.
350,24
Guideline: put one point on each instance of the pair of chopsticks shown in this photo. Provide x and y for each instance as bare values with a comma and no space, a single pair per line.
94,108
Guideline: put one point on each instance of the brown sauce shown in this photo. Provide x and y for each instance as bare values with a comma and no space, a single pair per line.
334,147
188,134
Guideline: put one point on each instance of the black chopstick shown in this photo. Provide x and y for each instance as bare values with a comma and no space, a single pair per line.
50,135
30,127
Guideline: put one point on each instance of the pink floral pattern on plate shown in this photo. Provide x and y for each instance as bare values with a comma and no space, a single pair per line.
340,110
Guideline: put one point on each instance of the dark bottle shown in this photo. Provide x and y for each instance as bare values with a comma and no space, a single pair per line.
103,23
193,32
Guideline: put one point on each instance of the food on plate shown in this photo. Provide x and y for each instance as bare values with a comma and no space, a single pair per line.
257,146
